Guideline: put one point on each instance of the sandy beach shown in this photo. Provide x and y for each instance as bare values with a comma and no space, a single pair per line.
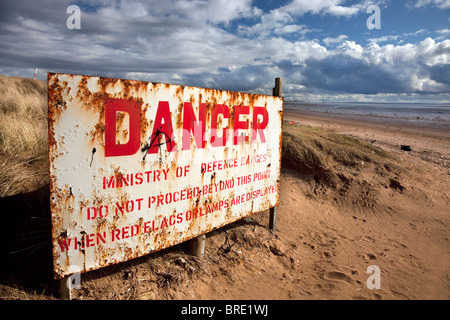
428,142
404,231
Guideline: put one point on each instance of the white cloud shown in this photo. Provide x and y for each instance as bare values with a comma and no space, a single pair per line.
275,22
441,4
409,68
384,38
332,41
332,7
443,31
342,11
290,29
415,33
282,20
350,48
391,38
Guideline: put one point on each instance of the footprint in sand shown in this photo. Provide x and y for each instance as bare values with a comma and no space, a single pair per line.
377,296
368,256
338,276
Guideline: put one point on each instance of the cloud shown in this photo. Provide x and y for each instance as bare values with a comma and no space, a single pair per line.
213,11
331,7
443,31
415,33
115,39
193,43
384,38
276,22
410,68
441,4
391,38
333,41
282,21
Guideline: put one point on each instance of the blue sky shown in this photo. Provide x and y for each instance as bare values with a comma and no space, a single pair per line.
322,49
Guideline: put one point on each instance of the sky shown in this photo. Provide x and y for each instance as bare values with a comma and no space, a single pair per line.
324,50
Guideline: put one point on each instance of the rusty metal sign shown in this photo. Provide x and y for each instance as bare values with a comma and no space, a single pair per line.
137,166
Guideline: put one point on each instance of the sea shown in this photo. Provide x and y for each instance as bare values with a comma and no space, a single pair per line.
415,114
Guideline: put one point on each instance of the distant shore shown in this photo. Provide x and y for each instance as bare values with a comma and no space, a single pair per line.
428,142
420,115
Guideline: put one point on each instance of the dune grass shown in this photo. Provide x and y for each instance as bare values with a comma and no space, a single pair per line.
23,110
23,135
327,155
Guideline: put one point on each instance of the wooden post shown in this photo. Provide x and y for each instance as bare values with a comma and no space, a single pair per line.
277,92
197,246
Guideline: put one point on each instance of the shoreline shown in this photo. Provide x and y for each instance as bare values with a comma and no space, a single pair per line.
429,143
434,128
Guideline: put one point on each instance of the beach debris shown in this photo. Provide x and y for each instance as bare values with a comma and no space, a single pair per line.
405,148
291,122
396,185
277,249
181,261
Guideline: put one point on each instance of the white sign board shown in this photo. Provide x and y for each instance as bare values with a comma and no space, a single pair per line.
139,166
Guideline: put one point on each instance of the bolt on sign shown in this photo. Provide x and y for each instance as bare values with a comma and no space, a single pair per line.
137,166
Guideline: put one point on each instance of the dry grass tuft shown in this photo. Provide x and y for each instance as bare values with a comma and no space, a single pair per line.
23,110
22,172
23,135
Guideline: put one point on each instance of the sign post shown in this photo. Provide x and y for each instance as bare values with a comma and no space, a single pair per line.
197,246
277,92
136,167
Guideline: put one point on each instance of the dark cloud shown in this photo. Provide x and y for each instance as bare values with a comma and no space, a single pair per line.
345,74
440,73
251,78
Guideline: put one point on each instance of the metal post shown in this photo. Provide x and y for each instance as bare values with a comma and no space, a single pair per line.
70,283
273,219
197,246
277,92
65,288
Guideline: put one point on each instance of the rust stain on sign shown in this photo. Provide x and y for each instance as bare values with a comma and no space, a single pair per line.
139,166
